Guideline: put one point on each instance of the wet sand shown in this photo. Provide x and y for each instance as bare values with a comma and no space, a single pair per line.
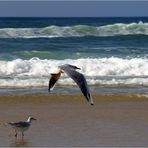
69,121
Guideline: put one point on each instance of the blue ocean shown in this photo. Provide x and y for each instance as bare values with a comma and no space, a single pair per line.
111,52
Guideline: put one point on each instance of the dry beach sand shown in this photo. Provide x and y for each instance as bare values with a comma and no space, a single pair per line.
71,121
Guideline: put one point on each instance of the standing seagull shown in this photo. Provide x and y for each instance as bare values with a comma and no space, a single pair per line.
21,126
79,78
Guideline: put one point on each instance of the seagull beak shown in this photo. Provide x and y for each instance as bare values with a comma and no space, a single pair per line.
34,119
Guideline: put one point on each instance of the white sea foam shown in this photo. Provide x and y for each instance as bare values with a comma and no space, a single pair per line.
99,71
76,31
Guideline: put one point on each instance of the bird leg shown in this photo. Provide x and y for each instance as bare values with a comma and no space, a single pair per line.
22,134
15,133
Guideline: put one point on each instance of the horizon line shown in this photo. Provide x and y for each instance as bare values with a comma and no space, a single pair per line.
70,16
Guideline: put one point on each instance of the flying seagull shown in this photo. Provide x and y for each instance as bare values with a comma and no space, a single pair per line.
21,126
79,78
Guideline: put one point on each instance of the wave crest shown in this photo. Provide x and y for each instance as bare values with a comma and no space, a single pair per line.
76,31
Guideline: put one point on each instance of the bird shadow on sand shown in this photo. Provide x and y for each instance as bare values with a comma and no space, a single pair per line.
20,143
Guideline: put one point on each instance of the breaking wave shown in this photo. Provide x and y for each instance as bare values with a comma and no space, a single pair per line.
100,71
76,31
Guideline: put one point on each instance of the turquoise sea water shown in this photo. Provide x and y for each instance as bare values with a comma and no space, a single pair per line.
111,52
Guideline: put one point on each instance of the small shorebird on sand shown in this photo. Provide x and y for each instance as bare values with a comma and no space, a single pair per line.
21,126
79,78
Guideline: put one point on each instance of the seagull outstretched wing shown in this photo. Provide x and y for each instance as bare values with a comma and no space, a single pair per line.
79,79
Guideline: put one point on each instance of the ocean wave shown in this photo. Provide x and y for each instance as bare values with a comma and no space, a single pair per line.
99,71
76,31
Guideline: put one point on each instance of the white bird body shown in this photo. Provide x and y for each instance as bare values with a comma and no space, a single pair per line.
79,78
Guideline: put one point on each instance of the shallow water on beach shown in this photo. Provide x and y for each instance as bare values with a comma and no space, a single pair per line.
74,90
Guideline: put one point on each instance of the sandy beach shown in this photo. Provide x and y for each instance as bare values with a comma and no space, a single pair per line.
69,121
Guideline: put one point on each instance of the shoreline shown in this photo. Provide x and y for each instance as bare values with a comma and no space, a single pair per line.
70,98
74,90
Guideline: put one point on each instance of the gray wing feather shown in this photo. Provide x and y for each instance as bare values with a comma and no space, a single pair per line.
79,79
19,124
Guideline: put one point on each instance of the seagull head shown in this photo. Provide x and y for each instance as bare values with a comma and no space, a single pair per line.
31,119
55,71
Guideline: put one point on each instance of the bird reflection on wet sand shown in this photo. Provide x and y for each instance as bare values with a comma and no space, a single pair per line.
20,143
